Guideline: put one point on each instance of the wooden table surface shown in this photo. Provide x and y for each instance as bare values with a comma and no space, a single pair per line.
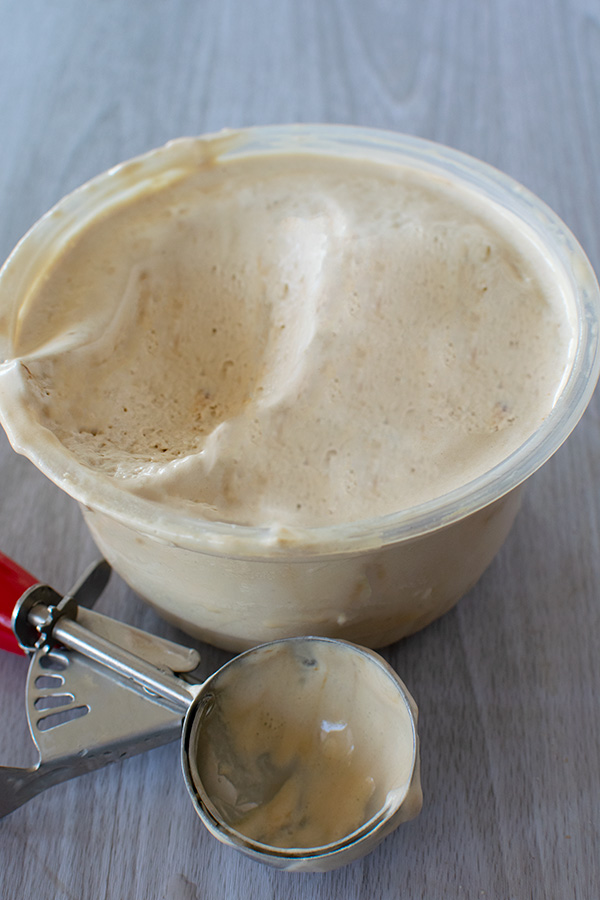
508,683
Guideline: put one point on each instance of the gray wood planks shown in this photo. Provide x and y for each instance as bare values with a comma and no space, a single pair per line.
507,683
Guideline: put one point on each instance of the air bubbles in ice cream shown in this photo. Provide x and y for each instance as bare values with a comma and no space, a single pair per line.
295,339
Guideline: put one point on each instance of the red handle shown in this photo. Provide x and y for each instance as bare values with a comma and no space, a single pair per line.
14,581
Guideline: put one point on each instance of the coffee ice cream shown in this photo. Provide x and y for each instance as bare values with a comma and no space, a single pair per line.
296,375
294,339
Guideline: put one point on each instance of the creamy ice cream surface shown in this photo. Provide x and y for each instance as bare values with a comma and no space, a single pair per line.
295,338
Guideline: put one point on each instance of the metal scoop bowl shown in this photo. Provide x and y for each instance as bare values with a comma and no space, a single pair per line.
302,753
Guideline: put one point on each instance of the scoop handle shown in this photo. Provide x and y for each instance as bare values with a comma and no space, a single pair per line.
14,581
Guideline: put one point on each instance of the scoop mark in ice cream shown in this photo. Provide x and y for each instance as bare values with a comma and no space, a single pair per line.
298,339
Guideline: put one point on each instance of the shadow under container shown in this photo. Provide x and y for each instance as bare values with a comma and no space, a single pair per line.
372,581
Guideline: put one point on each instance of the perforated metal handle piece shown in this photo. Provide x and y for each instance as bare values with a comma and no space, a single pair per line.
98,690
14,581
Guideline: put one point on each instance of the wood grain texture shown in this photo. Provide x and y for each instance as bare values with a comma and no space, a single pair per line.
508,683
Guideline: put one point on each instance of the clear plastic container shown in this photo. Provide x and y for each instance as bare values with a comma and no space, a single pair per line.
371,581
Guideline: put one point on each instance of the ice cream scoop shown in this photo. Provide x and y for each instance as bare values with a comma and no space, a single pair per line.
301,753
